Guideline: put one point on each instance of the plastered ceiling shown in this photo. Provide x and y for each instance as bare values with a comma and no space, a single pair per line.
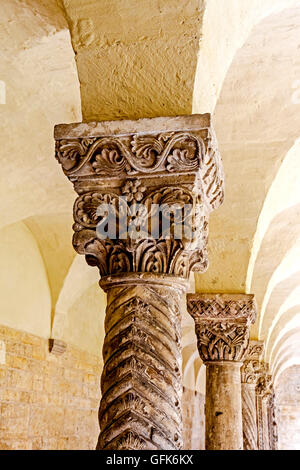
138,58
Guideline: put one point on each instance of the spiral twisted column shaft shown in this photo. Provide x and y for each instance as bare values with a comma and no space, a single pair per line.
141,381
249,417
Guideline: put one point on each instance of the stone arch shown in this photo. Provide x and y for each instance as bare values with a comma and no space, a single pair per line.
25,301
253,143
276,329
273,309
68,325
37,65
286,353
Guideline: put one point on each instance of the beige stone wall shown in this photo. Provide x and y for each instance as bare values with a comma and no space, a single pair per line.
51,402
288,409
46,401
193,420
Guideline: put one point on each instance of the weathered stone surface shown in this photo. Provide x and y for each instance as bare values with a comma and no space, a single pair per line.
222,324
56,346
141,380
177,166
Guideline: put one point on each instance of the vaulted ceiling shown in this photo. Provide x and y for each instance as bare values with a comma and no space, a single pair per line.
68,60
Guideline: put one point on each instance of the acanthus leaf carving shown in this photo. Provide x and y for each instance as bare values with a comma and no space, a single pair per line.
164,253
220,341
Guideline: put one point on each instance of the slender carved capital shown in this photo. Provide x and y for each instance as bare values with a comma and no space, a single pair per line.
264,387
252,365
147,172
222,324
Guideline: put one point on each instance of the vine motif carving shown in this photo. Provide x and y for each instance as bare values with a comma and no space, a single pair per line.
174,151
255,351
222,341
129,156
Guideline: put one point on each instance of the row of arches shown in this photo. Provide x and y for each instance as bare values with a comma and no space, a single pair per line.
238,61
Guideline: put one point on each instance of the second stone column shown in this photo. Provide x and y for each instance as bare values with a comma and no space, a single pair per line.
222,324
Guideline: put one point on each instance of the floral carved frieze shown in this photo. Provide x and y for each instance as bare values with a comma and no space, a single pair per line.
139,155
149,152
222,325
145,190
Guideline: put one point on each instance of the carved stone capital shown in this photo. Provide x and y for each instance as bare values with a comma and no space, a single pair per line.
140,169
264,387
222,324
251,368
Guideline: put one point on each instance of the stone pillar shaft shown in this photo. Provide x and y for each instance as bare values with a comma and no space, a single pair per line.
222,328
223,406
249,417
145,190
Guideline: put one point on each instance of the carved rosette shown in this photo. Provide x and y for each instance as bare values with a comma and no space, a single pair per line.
222,325
143,172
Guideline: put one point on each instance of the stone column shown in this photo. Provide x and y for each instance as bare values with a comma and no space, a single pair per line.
222,324
263,393
145,189
266,411
249,376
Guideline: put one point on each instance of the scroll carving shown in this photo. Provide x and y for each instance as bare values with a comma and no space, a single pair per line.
129,156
